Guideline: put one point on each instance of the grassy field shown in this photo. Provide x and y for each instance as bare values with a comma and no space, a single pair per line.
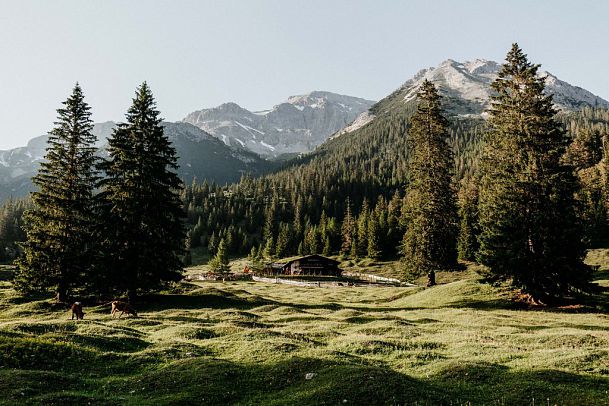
462,342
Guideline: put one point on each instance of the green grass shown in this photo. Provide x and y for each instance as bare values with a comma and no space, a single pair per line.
462,342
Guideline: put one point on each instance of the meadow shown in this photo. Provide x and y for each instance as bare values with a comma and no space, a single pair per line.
463,342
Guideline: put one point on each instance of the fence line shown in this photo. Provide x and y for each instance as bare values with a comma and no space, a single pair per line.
372,278
291,282
364,277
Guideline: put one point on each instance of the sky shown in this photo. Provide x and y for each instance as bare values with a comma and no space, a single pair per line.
199,54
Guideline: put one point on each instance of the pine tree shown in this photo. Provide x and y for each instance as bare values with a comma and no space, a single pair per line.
394,231
529,232
311,241
362,231
141,196
255,260
283,240
467,243
347,231
429,243
604,176
327,250
219,263
269,249
374,238
60,249
212,244
586,149
11,228
187,260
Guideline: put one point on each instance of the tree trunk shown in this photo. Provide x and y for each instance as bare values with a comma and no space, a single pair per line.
431,278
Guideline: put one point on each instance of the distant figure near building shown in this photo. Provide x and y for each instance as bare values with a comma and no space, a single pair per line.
314,265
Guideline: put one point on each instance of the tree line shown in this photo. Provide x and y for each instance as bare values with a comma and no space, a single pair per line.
518,196
523,194
103,226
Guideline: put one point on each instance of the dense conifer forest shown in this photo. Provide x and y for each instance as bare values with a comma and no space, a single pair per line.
365,174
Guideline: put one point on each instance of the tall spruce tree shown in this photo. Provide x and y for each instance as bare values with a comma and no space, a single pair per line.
59,248
220,263
283,240
469,228
374,249
529,231
141,194
348,231
429,243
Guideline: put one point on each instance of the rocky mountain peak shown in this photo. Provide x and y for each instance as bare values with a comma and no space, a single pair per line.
297,125
466,87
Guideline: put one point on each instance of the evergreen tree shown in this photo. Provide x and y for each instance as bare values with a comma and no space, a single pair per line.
11,228
374,239
141,196
604,176
187,260
467,243
327,250
529,232
219,263
269,249
283,240
362,230
59,248
255,259
311,239
347,231
394,230
212,244
429,243
586,149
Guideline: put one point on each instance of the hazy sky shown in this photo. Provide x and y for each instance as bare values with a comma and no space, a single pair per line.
197,54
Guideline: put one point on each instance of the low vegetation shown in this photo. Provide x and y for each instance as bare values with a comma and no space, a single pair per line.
253,343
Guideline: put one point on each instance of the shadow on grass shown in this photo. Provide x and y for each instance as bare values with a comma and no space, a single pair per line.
473,303
211,381
104,344
7,273
217,300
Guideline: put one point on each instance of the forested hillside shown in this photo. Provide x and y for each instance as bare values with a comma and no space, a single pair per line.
303,205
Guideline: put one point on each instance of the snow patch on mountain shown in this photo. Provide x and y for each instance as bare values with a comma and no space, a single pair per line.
298,125
358,123
469,82
264,144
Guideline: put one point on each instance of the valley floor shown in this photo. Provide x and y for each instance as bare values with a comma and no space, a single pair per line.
254,343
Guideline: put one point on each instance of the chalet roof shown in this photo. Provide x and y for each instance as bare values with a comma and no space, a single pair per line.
312,256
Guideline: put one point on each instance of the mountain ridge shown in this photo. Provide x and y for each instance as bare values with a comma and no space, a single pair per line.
200,156
297,125
466,91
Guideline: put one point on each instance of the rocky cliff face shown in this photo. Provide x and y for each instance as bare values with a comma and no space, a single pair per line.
298,125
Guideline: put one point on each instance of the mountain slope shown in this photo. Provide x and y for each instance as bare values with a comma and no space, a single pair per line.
466,91
200,156
298,125
368,158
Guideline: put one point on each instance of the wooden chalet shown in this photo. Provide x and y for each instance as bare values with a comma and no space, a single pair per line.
314,265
